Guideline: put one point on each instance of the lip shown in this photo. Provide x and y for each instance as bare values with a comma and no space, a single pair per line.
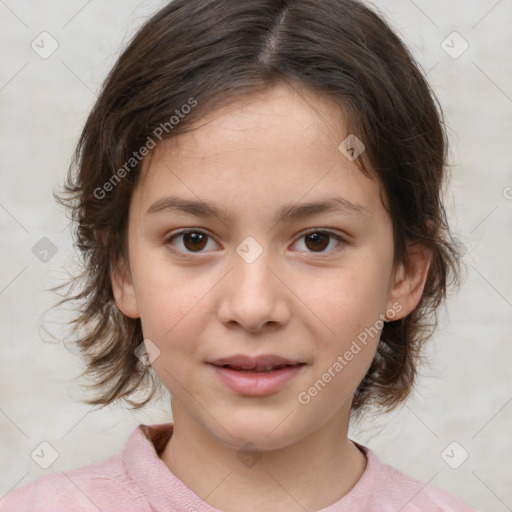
249,363
251,383
246,382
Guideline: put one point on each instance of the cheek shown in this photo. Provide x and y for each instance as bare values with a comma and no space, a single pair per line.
169,304
343,303
172,321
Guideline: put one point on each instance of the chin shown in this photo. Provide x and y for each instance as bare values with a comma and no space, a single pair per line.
264,431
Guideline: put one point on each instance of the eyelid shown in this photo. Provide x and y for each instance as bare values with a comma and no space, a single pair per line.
334,233
342,239
322,230
175,234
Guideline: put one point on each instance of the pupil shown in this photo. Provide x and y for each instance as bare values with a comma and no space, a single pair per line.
316,238
197,240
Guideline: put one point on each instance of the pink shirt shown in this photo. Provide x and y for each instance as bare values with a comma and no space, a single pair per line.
136,480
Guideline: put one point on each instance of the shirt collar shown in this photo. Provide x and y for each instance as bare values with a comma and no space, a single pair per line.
166,492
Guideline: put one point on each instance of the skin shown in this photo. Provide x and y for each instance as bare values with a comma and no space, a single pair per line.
254,156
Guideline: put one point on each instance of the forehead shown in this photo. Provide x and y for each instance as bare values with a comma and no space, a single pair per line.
280,146
294,118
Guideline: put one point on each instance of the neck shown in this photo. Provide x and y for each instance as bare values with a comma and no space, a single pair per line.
310,474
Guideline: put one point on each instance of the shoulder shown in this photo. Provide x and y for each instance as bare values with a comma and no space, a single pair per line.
399,491
103,485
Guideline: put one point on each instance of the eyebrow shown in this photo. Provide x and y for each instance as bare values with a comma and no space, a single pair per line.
287,212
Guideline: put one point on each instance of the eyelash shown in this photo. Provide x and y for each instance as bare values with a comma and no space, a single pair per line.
329,232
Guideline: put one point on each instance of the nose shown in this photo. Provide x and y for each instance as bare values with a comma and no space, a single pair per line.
254,296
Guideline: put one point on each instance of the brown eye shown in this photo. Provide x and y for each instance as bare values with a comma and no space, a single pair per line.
194,241
190,241
317,241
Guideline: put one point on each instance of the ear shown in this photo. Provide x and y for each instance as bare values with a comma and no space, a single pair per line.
409,280
123,289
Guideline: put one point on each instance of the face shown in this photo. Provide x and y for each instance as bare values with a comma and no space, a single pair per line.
263,275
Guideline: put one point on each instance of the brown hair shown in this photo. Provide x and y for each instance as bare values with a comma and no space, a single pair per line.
205,53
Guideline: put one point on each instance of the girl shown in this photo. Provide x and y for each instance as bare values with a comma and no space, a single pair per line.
257,197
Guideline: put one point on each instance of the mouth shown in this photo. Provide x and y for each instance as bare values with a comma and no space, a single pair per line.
259,369
262,362
256,376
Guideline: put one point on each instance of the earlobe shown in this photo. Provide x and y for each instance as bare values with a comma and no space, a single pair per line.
123,290
410,279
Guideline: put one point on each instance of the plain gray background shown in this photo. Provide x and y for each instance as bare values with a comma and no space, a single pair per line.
465,393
